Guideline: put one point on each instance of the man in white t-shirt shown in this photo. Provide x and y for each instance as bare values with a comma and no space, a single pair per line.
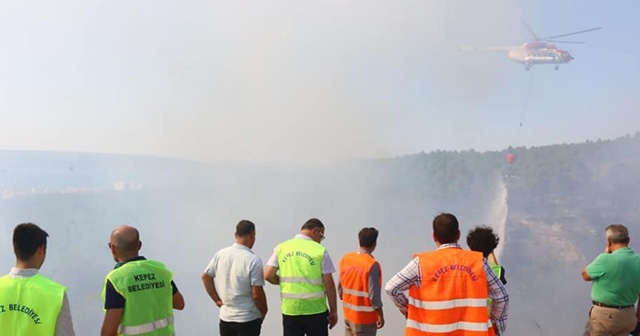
234,280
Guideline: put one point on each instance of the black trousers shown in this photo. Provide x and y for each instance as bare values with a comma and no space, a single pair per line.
251,328
309,325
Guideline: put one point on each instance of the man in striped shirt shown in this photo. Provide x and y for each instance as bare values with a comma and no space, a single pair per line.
447,289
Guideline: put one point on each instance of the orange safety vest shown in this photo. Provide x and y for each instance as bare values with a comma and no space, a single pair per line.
452,297
354,279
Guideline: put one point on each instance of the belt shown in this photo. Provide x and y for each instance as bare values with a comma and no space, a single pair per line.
600,304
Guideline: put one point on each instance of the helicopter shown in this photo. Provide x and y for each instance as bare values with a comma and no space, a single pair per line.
539,51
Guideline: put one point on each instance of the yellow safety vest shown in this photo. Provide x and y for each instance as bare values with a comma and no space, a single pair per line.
29,306
301,287
146,288
497,269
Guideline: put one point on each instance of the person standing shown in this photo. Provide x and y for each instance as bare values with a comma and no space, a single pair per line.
616,286
306,282
359,287
239,292
30,303
448,289
139,294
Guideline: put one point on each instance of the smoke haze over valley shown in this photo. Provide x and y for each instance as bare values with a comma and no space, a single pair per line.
186,211
182,118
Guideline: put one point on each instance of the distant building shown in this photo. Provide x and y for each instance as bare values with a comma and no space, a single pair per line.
122,186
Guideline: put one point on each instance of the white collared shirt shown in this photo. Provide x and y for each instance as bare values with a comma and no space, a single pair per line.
235,270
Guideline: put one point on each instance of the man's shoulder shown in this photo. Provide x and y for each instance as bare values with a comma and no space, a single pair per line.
50,283
142,264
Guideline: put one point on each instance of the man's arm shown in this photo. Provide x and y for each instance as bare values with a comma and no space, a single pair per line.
636,331
270,274
111,322
178,301
500,303
402,281
596,269
260,299
375,292
114,307
210,287
64,326
256,277
330,288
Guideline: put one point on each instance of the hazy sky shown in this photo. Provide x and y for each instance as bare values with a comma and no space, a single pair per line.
307,82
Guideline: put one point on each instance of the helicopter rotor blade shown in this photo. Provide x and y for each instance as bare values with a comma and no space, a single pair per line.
569,34
526,25
570,42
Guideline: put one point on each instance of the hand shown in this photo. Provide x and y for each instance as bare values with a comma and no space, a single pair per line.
219,303
636,331
332,319
404,311
380,322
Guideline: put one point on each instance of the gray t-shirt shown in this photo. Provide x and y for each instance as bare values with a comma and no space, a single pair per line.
235,270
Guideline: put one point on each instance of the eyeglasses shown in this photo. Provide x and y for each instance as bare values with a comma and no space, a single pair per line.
321,235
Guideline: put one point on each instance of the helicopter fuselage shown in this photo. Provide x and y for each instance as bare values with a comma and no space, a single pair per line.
534,53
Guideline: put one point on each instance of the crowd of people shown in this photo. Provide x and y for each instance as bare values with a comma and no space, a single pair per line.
447,291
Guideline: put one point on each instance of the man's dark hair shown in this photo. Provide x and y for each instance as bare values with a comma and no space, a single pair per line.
312,223
482,239
368,237
446,228
27,237
245,228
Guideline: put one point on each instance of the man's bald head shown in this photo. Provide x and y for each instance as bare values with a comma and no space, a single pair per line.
126,239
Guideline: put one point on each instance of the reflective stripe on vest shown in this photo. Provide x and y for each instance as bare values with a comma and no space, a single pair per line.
448,304
447,328
301,286
355,271
310,281
145,328
302,295
354,292
358,308
452,297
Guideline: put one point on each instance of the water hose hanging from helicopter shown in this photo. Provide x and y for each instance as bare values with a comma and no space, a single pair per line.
525,107
511,156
